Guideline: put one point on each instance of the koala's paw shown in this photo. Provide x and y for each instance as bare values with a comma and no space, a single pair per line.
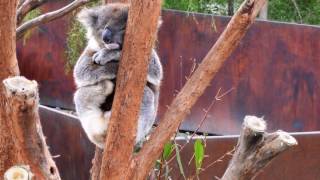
104,56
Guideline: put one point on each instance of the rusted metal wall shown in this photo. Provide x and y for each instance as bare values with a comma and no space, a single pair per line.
273,73
68,143
66,139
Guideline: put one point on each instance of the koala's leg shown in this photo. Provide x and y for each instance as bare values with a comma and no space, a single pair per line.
147,115
94,121
155,69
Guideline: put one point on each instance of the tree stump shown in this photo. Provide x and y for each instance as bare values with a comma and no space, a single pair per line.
255,149
29,141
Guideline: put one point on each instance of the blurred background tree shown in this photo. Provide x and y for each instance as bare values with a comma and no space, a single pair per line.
297,11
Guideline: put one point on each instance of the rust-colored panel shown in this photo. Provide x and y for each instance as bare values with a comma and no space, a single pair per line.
66,138
68,142
273,73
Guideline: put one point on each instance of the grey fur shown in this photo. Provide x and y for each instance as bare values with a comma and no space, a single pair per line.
96,69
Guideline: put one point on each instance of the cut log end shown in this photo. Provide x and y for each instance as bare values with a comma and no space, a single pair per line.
255,124
21,172
20,87
286,138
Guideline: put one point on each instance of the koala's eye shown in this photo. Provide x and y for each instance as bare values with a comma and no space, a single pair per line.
107,35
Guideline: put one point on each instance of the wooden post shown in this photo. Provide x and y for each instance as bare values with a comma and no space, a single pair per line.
255,149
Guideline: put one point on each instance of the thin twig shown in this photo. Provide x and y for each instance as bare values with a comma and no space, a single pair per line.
298,10
217,98
26,7
229,153
49,17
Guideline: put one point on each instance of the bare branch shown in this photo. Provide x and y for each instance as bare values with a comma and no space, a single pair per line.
195,86
256,149
28,6
49,17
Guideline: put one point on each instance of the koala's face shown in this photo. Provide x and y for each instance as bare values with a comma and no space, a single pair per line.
106,24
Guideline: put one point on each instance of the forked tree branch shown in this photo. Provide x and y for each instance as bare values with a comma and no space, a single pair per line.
28,6
255,149
44,18
195,86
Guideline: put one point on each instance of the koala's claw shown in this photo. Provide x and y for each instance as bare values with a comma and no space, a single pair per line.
104,56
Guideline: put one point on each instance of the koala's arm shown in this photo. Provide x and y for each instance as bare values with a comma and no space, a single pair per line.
86,72
155,72
104,56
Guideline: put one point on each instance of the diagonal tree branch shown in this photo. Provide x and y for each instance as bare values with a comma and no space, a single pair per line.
195,86
28,6
49,17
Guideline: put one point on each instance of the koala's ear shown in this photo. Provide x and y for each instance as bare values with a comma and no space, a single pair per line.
88,17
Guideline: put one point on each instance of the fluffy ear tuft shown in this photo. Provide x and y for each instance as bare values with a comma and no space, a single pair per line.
87,17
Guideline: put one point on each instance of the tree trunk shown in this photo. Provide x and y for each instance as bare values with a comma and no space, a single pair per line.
21,137
140,37
9,67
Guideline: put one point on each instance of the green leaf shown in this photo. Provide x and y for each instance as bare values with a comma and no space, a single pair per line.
167,150
198,154
178,157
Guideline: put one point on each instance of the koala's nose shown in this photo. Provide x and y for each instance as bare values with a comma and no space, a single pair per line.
107,35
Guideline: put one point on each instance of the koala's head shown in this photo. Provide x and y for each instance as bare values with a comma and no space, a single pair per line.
106,24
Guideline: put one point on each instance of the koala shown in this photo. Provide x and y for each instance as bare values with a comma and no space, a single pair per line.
96,69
